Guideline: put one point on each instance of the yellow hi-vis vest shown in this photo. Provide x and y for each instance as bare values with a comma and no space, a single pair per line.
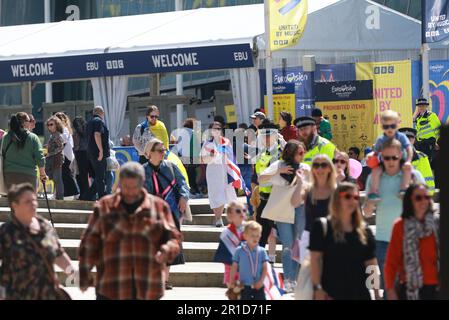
428,126
319,146
422,164
264,160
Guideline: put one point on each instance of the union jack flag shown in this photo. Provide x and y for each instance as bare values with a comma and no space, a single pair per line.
234,175
274,285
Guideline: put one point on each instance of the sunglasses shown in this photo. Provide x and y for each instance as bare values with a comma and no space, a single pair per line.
318,165
154,117
340,161
349,196
420,198
389,126
240,211
50,124
393,158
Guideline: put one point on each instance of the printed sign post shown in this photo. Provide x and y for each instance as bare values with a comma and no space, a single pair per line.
348,105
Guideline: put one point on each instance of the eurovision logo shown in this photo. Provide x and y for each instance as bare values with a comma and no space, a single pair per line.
439,96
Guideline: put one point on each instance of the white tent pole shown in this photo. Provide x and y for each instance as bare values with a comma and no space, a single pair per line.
179,82
425,56
48,85
268,63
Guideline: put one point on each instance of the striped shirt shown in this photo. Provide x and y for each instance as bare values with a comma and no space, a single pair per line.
123,247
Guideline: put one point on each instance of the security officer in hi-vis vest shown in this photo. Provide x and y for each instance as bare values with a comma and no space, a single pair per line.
420,160
427,126
308,134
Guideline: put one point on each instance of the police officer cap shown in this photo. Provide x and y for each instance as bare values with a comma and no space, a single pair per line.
409,132
304,122
422,102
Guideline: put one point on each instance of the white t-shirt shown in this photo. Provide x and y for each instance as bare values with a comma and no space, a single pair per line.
68,141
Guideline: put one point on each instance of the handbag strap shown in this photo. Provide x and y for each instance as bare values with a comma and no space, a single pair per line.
39,250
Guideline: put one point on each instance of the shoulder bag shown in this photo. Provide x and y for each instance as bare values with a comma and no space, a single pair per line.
304,286
279,207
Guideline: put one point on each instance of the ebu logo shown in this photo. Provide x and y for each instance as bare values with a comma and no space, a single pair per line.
384,70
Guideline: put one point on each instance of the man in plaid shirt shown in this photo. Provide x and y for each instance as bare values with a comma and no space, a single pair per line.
130,237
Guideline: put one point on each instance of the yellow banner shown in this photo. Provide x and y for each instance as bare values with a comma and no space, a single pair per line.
348,121
231,115
288,20
392,85
282,102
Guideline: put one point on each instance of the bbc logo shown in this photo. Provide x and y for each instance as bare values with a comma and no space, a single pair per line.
384,70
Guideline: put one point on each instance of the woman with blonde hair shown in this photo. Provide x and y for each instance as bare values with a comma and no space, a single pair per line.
341,163
70,185
343,250
55,157
316,197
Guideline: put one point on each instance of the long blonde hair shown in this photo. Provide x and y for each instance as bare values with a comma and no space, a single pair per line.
65,121
357,221
331,178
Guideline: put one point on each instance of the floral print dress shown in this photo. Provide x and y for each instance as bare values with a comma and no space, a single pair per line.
23,274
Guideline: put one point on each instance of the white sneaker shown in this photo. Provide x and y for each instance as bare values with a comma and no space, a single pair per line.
288,286
219,223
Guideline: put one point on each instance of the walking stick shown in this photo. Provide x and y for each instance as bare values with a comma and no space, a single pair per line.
48,205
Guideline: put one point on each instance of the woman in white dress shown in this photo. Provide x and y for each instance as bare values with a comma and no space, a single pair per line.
214,154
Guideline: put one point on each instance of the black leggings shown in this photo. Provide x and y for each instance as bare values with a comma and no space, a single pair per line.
425,293
267,225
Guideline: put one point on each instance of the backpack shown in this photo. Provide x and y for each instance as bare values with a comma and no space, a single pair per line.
304,286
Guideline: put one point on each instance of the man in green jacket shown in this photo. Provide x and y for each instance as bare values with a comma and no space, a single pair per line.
323,125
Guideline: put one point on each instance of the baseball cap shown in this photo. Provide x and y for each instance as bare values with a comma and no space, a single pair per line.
259,115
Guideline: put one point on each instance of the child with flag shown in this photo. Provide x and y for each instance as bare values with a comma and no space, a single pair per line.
231,238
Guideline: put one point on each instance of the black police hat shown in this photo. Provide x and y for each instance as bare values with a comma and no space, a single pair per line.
422,102
304,122
409,132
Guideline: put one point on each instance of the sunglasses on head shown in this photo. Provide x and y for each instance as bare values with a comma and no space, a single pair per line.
318,165
420,198
340,161
389,126
392,158
349,196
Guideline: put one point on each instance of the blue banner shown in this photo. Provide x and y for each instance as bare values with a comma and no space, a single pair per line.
335,72
302,82
127,63
435,20
439,88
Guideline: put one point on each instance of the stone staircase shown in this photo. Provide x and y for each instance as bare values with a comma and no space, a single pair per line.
200,240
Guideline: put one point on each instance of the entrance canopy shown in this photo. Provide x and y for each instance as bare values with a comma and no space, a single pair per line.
182,41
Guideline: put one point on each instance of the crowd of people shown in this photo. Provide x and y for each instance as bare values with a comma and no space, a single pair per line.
134,234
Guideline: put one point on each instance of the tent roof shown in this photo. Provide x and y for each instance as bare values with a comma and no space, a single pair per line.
191,40
178,29
345,25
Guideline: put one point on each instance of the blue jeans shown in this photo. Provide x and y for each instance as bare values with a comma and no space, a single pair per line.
109,181
381,253
288,233
247,171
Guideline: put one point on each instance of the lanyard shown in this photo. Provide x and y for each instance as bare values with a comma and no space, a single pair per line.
156,186
253,265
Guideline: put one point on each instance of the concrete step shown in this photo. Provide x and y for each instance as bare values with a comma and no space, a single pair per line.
191,274
178,293
193,251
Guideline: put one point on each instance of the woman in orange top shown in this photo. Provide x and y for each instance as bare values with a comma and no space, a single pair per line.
413,252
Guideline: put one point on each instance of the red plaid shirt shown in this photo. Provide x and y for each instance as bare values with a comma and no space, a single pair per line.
123,247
